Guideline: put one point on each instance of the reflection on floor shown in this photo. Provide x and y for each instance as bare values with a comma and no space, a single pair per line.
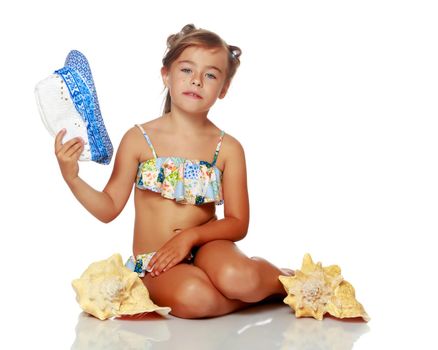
267,326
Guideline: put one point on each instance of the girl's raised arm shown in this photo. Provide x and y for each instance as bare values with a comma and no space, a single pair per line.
105,205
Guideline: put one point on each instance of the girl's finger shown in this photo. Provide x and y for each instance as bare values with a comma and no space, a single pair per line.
161,264
171,264
153,260
156,258
58,139
166,262
77,154
66,146
75,148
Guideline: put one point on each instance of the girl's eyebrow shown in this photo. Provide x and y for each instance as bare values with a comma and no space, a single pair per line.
209,67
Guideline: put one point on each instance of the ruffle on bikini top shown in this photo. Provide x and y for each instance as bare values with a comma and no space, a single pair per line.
187,181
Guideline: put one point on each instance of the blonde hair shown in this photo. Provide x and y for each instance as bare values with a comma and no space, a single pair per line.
192,36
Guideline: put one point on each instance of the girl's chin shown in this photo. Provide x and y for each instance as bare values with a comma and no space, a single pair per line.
190,109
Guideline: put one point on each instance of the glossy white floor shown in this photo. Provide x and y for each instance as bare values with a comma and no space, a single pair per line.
268,326
52,321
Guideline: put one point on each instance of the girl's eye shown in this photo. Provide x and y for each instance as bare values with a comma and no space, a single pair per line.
208,75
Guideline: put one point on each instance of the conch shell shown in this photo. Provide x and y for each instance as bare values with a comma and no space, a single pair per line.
315,290
107,289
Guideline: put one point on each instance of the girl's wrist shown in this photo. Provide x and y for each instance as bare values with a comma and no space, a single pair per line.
192,236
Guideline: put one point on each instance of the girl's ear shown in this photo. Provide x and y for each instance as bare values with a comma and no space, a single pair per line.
164,76
225,89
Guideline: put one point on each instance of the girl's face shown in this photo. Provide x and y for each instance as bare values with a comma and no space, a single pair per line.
197,78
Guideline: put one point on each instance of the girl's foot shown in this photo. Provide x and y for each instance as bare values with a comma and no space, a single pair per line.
287,272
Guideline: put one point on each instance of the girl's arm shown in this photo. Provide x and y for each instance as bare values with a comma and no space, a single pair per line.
105,205
234,225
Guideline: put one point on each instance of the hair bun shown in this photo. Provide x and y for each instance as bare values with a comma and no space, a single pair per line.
235,51
187,29
172,39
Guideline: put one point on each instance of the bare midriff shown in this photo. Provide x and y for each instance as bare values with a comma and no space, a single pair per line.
158,219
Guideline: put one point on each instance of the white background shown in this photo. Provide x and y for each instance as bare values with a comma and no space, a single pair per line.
336,106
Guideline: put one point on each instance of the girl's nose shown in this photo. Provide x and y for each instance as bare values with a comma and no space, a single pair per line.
196,82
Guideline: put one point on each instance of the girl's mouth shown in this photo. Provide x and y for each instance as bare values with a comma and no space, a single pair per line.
192,94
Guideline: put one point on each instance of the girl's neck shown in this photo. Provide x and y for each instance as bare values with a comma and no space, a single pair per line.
184,123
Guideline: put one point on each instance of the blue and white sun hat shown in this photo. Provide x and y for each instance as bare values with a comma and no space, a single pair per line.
67,99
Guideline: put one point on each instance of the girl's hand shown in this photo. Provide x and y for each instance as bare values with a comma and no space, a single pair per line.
172,253
67,155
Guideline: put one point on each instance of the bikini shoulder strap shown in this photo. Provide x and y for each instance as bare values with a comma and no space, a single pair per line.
218,148
147,139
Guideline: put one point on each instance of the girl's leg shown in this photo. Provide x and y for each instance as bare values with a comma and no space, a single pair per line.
236,276
189,292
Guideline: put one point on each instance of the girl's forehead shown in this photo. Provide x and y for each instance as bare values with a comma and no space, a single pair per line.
216,56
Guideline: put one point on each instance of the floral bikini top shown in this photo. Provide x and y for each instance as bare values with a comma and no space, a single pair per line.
188,181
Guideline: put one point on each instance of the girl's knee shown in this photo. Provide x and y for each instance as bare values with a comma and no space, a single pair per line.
238,280
193,299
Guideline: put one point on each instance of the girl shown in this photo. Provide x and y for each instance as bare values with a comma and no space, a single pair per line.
182,165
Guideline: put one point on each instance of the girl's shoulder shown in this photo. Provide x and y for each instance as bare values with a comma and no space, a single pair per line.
230,143
232,151
136,130
133,140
